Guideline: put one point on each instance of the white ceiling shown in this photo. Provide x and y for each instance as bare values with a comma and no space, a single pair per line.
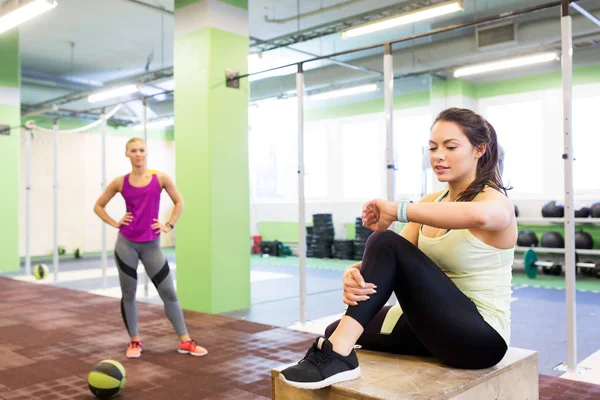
112,38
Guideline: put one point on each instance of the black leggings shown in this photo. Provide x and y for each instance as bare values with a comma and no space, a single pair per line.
438,319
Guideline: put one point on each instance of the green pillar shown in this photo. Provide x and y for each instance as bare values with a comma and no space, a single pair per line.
211,142
10,115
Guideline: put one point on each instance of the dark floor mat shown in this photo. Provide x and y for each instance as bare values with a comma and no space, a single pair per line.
553,388
51,337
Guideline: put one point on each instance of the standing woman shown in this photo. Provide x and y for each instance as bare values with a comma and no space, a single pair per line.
139,239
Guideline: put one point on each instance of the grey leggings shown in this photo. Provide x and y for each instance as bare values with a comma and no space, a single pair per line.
127,254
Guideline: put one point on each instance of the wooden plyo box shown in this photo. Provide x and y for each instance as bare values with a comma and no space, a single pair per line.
391,376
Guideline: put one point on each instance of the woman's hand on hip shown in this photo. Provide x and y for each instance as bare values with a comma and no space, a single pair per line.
125,220
159,228
355,287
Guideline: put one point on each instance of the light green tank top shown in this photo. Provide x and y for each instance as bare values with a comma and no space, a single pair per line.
482,272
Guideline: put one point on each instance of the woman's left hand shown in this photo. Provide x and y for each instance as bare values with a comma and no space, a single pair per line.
378,215
158,227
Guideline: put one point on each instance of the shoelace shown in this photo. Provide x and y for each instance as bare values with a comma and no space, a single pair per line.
316,356
136,344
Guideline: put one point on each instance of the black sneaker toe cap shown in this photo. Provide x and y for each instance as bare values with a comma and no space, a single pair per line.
302,373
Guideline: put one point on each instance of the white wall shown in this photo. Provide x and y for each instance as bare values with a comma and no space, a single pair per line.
345,210
79,187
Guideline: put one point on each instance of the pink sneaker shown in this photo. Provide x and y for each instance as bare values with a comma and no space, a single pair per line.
190,347
134,350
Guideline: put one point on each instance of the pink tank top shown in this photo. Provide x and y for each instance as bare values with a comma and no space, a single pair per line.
143,203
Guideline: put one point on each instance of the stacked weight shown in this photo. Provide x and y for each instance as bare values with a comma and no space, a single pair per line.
322,237
343,249
309,239
362,234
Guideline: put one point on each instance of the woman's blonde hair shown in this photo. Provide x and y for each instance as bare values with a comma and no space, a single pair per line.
133,140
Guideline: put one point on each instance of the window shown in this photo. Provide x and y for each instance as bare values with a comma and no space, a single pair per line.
272,147
363,159
316,158
586,139
519,127
410,137
262,158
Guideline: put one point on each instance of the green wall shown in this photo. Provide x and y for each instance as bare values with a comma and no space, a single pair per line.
213,267
10,63
9,201
10,113
243,4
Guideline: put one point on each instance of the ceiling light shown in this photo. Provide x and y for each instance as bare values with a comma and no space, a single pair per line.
506,64
404,19
17,16
109,94
344,92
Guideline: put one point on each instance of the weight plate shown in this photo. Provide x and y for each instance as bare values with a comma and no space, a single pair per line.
529,260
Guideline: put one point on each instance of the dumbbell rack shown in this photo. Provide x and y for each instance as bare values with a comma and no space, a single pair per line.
552,250
549,250
593,221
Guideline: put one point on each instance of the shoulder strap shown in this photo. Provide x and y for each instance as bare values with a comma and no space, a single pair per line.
442,196
437,201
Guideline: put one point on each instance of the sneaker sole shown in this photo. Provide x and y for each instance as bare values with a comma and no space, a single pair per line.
337,378
138,356
190,353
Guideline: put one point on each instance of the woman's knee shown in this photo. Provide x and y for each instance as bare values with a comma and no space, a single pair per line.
128,292
387,239
168,293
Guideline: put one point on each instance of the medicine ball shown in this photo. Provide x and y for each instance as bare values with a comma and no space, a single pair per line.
595,210
516,211
583,240
581,210
40,271
553,209
527,239
107,379
553,239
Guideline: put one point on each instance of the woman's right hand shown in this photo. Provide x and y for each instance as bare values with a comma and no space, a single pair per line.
125,220
355,287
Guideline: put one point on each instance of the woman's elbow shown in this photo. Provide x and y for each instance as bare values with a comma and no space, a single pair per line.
490,222
97,208
482,221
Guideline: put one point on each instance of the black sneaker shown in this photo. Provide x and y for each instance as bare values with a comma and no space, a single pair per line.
321,367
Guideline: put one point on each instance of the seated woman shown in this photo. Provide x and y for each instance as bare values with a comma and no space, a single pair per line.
450,267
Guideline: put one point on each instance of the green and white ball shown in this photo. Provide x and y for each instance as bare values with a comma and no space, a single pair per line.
40,271
107,379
